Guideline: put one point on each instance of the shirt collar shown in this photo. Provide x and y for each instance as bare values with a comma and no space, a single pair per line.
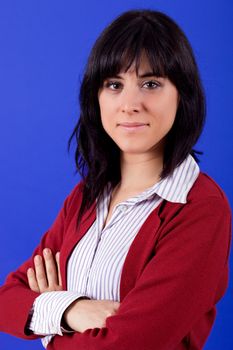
175,187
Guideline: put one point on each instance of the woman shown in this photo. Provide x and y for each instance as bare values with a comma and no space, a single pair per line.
138,255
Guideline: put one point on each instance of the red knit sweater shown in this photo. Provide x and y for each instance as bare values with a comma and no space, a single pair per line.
175,272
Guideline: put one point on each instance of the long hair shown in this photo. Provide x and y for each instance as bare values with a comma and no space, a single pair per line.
170,55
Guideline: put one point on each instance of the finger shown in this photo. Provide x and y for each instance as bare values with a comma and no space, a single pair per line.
116,305
50,267
32,280
40,273
57,257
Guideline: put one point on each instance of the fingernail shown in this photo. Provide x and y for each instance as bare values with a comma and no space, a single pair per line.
37,258
46,251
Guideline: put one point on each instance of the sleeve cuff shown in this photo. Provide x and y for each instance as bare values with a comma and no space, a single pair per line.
48,310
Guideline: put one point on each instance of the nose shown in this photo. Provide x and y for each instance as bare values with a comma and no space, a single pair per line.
130,101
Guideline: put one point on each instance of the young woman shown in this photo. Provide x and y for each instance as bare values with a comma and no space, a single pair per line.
138,255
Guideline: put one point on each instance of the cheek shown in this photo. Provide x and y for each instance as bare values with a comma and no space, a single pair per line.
103,111
167,106
164,115
107,114
105,107
104,115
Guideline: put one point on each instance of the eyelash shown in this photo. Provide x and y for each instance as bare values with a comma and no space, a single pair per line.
108,84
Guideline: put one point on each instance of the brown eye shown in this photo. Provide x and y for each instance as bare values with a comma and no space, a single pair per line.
113,85
151,84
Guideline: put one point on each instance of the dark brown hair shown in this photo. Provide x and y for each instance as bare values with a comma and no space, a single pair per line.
118,46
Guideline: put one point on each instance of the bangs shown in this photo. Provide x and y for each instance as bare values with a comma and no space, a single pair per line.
127,49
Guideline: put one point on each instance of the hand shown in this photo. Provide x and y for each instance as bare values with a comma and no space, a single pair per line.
46,276
85,314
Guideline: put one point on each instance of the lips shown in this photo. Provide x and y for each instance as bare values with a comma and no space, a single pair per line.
132,124
132,127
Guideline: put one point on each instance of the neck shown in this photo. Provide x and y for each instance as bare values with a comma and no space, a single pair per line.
140,171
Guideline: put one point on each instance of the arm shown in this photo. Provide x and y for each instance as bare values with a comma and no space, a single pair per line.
16,298
179,285
49,306
52,303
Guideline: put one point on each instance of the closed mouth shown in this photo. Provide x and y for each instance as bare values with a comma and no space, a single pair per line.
132,125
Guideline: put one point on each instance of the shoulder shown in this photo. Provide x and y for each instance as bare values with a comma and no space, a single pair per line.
205,188
74,199
205,198
207,195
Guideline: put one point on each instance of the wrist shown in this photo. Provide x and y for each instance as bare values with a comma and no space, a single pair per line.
65,317
64,325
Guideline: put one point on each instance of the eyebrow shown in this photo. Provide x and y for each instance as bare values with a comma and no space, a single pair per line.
145,75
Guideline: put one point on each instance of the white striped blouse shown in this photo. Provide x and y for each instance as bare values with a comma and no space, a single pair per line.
95,265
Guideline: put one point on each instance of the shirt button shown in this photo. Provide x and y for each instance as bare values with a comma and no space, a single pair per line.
123,207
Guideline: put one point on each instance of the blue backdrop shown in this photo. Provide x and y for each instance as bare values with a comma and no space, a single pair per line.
44,46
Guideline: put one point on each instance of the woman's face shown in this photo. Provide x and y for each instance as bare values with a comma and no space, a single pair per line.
137,112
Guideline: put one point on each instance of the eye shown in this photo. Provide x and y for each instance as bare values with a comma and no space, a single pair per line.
151,84
112,85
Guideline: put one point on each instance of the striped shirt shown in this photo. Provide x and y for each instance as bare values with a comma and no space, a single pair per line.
95,265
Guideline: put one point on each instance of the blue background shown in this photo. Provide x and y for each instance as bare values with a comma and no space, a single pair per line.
43,49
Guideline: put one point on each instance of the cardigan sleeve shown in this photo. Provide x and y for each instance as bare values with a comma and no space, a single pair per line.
181,284
16,298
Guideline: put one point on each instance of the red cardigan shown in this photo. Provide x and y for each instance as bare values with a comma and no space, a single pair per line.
175,272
